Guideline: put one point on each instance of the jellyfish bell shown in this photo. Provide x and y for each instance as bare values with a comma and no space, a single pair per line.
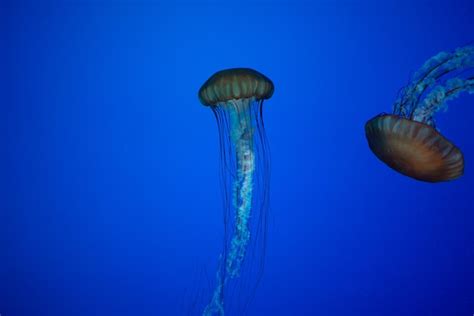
414,149
235,84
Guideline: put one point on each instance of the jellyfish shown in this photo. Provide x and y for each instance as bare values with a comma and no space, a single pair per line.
236,97
408,140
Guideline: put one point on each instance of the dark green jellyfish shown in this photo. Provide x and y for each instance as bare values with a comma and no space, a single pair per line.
236,98
408,140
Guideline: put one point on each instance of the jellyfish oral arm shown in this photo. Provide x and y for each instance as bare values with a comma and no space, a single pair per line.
242,139
216,306
429,76
438,97
242,203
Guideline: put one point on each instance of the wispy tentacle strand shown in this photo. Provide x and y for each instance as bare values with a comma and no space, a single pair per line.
439,96
429,75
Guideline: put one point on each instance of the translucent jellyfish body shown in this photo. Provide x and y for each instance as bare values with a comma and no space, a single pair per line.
236,98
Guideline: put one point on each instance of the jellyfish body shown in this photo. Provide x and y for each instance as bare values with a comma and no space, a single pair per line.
408,140
414,149
236,98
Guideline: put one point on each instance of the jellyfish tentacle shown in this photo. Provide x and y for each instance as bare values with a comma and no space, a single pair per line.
437,98
429,74
419,81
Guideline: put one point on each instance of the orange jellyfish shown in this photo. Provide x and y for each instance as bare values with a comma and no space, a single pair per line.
407,140
236,97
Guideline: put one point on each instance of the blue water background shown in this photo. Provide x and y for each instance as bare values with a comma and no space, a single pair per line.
110,200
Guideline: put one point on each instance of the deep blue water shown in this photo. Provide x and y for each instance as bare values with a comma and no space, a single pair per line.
110,200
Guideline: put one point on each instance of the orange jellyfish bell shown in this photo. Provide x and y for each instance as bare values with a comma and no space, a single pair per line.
414,149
